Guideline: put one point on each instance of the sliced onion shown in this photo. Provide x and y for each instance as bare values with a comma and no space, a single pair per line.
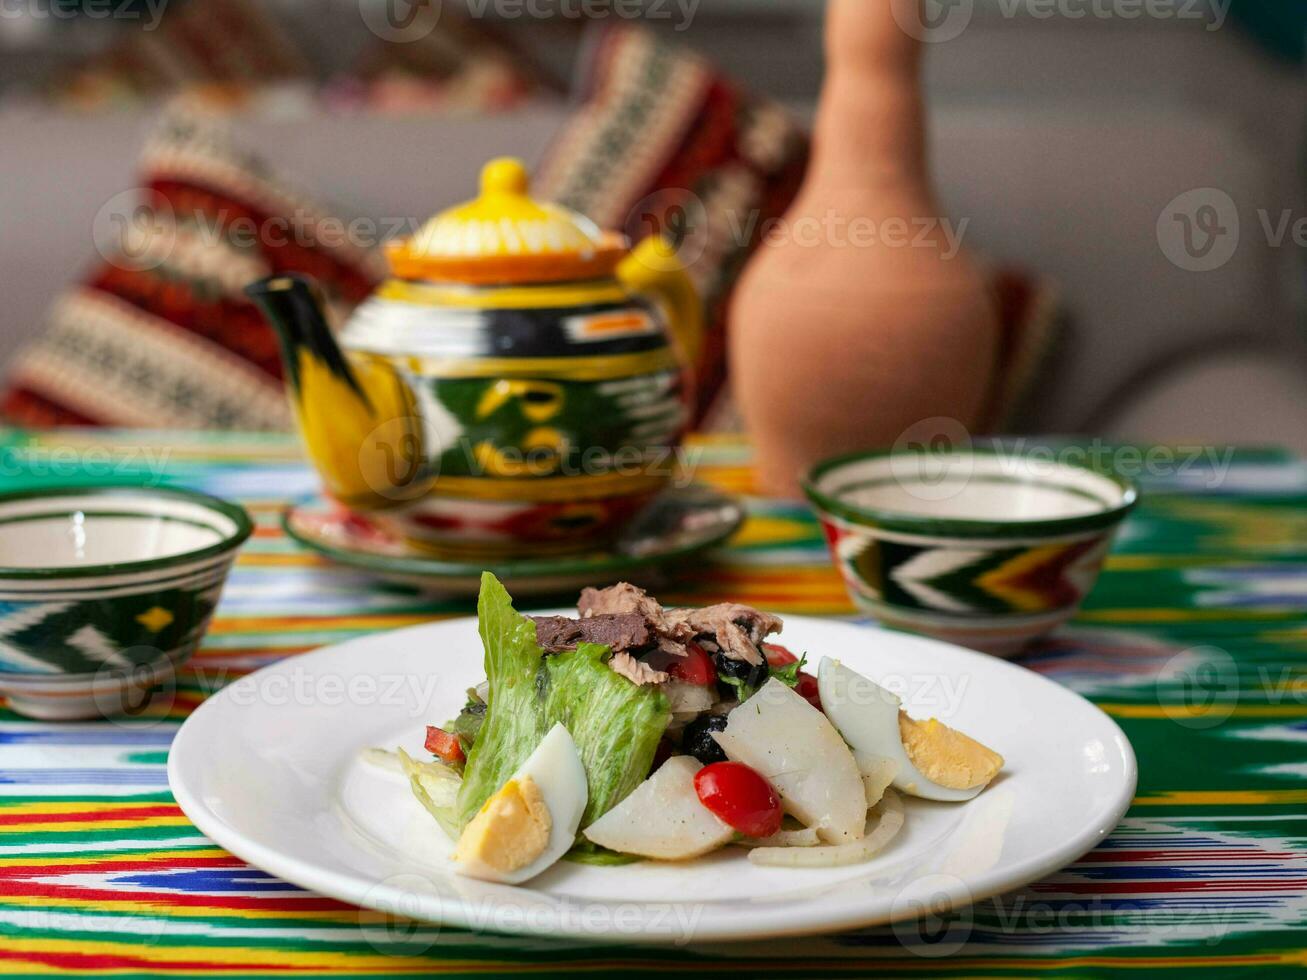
883,825
877,775
382,759
437,780
686,700
803,837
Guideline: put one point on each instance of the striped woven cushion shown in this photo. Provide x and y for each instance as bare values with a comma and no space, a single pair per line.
159,334
664,143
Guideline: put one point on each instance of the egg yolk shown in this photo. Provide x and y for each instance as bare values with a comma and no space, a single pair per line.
946,756
510,831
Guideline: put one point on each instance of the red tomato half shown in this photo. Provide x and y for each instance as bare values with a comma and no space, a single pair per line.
444,745
696,668
740,798
777,655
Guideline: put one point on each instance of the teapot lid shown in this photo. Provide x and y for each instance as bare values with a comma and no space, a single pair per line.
506,236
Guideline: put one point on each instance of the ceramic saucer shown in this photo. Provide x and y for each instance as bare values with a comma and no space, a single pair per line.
677,524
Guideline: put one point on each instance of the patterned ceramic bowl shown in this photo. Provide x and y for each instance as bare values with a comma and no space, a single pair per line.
105,591
984,548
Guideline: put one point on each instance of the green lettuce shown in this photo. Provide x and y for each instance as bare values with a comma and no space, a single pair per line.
436,787
616,724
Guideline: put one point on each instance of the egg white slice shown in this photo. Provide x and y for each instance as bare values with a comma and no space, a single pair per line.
867,716
555,767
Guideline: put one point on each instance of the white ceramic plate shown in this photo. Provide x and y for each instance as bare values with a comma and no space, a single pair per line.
270,768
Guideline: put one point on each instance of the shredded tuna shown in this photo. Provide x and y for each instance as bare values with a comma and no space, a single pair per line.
556,633
737,629
625,599
619,600
636,671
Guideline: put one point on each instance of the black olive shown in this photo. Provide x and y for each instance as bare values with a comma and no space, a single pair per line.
697,739
753,676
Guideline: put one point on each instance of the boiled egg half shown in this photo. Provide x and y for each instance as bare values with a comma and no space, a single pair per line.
931,760
531,821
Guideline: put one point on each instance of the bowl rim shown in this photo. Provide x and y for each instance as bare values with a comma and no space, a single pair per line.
936,526
244,527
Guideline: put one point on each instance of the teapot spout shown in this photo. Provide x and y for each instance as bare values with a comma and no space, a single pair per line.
356,416
292,308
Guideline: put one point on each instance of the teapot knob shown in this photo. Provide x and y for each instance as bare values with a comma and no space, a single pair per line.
507,175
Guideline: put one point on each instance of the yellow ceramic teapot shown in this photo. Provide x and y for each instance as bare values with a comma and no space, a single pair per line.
520,383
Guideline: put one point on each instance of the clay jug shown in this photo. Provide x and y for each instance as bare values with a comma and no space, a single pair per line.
860,317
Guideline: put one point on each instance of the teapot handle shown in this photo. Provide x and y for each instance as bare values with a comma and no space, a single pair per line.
653,269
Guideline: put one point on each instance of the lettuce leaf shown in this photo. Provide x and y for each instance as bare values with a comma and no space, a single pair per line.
789,674
616,724
436,787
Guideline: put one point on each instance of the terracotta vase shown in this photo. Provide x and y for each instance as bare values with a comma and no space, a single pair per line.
860,317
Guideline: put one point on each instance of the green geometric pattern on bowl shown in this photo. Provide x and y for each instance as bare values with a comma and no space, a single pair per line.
967,580
84,636
975,545
109,578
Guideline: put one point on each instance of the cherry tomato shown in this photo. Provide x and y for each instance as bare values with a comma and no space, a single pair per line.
696,668
444,745
807,689
777,655
740,798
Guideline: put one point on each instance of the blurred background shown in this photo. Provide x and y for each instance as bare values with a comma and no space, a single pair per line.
1064,134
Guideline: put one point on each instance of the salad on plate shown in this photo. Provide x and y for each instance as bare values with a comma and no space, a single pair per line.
638,732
